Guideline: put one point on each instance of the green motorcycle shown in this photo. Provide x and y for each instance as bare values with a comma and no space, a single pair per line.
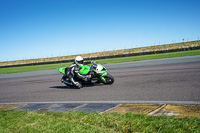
98,74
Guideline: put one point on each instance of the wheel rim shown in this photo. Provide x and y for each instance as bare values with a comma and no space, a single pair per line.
108,80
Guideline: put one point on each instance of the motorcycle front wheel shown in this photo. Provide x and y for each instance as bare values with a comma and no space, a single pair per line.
109,79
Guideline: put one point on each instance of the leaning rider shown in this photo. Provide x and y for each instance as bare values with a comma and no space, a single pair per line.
74,71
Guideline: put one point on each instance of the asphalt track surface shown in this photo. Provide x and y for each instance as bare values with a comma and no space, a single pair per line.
170,80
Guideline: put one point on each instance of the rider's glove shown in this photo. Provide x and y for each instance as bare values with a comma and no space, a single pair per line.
88,76
93,61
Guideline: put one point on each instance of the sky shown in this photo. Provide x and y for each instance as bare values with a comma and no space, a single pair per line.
31,29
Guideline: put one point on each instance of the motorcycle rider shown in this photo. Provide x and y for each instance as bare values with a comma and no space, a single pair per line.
73,71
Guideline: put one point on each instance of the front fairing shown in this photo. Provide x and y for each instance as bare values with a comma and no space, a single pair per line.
101,71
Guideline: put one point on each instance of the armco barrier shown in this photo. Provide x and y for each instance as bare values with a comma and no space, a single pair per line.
107,57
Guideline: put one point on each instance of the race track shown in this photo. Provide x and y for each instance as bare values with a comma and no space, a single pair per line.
161,80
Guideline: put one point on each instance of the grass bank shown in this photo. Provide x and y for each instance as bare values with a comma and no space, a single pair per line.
73,122
102,61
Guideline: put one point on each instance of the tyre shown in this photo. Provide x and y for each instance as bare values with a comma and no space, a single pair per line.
109,79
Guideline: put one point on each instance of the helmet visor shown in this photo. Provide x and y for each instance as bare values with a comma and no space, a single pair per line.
80,62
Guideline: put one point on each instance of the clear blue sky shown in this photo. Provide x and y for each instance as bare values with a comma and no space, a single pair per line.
46,28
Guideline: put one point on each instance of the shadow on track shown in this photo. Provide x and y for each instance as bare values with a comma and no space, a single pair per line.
63,87
71,87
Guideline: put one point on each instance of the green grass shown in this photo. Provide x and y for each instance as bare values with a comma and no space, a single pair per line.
102,61
32,68
79,122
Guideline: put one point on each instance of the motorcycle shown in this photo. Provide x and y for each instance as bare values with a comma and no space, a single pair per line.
98,74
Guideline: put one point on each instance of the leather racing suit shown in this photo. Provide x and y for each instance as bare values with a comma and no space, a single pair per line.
73,72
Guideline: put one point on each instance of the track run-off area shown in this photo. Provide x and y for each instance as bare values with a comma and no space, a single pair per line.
160,81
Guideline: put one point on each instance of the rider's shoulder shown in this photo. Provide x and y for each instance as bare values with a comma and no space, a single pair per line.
73,65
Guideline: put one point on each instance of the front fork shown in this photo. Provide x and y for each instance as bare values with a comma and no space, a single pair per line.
102,77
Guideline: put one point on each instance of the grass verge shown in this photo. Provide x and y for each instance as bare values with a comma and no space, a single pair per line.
26,121
102,61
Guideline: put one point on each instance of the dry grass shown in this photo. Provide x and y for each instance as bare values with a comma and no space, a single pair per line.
107,53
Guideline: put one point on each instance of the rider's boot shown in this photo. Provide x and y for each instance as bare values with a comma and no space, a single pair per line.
77,84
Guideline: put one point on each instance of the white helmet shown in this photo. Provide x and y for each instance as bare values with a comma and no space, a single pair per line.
79,60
